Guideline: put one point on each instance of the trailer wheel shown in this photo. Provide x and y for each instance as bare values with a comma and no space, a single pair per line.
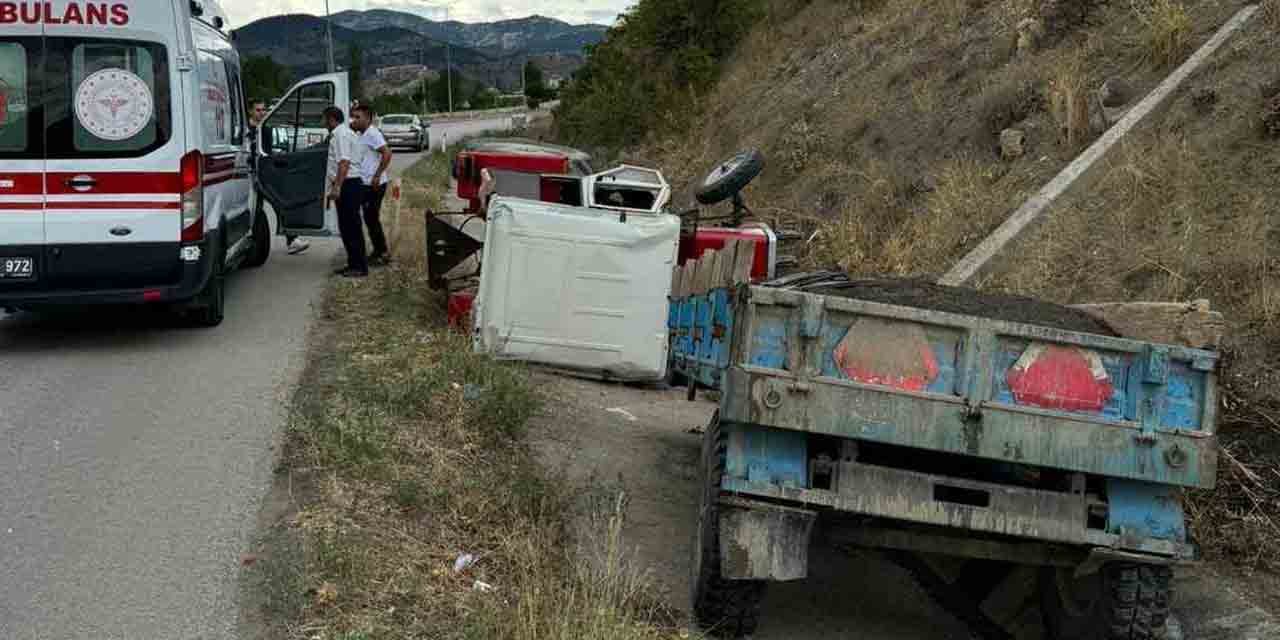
1122,601
727,608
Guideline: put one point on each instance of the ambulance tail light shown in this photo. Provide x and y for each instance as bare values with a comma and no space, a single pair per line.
192,172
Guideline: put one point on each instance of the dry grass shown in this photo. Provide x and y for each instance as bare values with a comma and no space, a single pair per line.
890,228
1271,13
1168,31
1069,99
405,452
1009,99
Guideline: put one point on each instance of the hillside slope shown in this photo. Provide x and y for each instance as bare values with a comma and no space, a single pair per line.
881,124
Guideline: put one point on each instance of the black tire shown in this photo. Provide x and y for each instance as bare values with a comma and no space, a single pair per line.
261,239
726,608
210,304
730,177
1123,601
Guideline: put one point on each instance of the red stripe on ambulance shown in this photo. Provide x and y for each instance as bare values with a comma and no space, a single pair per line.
115,182
21,184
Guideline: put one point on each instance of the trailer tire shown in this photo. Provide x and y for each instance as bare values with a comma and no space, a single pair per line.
730,177
726,608
1126,601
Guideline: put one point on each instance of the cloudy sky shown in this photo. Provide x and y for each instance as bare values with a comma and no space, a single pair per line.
243,12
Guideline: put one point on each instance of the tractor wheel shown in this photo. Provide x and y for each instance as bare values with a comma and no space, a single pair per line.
730,177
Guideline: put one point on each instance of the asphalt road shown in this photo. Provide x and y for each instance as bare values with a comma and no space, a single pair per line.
449,132
134,455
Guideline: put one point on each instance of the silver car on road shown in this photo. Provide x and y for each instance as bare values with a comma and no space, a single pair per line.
405,130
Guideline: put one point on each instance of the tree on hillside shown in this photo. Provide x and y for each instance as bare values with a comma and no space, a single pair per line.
535,86
355,69
483,98
650,68
422,95
264,78
440,90
394,103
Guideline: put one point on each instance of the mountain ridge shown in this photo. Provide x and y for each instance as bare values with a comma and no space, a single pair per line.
491,53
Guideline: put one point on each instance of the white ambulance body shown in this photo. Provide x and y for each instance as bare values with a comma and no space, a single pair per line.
124,170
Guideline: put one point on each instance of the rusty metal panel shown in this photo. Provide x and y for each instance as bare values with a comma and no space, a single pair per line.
761,541
945,423
787,373
953,502
909,496
883,534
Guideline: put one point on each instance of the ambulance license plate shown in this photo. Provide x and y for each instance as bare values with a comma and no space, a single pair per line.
17,268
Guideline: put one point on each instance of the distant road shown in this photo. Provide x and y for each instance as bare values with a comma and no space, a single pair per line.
461,129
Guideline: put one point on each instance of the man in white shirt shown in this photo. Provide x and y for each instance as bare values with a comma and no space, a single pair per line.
344,189
375,160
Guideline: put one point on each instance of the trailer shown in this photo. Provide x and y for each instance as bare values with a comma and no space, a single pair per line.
921,419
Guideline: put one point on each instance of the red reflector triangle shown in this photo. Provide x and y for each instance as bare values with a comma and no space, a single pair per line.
890,354
1063,378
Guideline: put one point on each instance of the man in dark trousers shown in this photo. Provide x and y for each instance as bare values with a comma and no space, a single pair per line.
345,190
375,161
257,113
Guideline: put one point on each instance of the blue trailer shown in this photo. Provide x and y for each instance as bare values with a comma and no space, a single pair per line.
918,430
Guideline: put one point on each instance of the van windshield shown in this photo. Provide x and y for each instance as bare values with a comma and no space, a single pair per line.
83,98
397,120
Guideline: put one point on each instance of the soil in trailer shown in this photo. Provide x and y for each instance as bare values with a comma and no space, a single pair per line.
923,294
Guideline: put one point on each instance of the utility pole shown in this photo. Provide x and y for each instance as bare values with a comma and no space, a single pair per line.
328,34
524,89
422,63
448,65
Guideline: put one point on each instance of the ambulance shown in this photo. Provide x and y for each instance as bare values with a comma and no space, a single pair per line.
125,170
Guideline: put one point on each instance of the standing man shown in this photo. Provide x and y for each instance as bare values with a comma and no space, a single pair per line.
345,190
375,159
257,112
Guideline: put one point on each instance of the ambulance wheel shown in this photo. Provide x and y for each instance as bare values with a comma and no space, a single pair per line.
261,240
730,177
726,608
1122,601
210,305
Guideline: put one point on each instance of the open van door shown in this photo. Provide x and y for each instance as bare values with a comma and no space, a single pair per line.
292,155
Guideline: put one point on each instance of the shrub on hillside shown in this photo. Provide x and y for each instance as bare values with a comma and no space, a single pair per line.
650,68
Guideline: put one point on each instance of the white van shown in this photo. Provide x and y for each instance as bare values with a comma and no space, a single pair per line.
124,172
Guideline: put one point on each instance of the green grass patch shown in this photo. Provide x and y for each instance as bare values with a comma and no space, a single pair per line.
405,451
